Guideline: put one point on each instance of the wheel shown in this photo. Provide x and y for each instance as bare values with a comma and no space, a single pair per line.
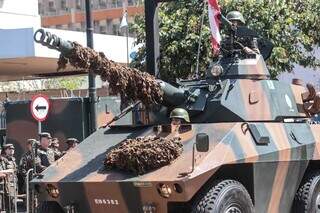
226,196
307,198
49,207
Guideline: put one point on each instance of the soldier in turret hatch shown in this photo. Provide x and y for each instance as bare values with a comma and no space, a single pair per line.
179,116
248,45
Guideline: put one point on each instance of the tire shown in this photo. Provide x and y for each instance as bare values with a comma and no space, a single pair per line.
226,196
307,198
49,207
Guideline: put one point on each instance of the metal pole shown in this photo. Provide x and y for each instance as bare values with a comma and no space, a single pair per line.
127,35
27,190
15,192
34,151
92,77
199,42
39,127
152,36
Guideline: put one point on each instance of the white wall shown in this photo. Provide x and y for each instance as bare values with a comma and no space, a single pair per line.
19,14
17,43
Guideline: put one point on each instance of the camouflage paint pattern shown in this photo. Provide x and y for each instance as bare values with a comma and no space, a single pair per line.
258,132
279,166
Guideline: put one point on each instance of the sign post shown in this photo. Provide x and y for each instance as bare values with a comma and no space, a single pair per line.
39,108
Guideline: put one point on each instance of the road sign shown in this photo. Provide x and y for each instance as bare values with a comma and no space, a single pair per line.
40,107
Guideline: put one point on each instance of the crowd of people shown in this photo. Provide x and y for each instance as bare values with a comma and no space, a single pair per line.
39,155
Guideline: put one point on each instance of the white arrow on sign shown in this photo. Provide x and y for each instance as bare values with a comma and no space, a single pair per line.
40,107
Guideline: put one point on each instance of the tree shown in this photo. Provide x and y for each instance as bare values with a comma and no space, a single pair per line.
293,26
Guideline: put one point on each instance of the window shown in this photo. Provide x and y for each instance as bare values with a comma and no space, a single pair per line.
115,29
70,26
114,3
130,2
78,4
119,3
102,3
40,8
63,5
103,29
96,26
83,26
52,7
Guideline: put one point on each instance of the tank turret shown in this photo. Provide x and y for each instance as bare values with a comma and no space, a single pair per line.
235,89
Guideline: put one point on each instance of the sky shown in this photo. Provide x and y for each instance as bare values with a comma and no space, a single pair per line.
307,75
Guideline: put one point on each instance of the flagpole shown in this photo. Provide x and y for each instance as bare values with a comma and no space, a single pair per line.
199,44
124,24
127,35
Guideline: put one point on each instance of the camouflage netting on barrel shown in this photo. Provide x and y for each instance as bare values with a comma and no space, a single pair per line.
130,83
143,154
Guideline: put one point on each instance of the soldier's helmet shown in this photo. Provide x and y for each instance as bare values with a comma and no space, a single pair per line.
180,113
8,146
72,140
31,141
236,16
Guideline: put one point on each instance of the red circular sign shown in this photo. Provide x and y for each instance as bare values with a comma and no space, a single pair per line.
39,107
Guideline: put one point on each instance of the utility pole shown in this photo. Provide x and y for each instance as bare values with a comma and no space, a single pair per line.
91,77
152,36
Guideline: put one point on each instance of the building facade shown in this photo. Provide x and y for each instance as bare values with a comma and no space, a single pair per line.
70,14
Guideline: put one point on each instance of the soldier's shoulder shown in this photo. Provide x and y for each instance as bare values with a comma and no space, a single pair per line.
50,150
5,160
41,152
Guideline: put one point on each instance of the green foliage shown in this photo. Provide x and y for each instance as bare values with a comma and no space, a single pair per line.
293,26
71,83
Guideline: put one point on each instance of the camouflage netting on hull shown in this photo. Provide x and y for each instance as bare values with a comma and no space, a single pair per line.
130,83
141,155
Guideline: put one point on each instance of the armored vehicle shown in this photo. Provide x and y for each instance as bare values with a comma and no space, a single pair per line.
249,145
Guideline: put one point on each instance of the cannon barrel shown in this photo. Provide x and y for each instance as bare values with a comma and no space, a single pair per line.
52,41
131,83
172,96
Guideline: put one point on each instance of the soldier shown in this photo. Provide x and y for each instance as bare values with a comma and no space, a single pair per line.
3,189
45,153
71,143
9,175
27,162
8,152
55,147
249,46
178,116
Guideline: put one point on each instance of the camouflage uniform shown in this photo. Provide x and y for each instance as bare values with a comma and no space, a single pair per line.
57,153
11,163
46,157
26,163
3,187
231,42
55,147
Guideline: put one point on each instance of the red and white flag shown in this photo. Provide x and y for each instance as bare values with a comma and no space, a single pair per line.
214,19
